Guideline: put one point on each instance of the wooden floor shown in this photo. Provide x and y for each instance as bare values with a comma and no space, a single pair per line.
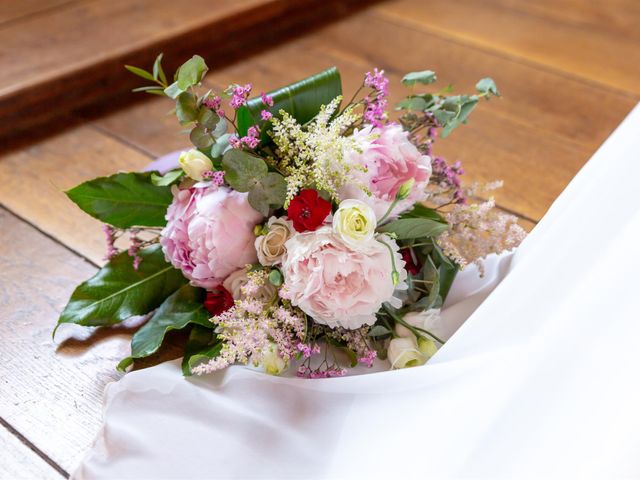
569,71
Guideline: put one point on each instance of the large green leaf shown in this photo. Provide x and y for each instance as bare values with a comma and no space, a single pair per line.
183,307
302,99
118,291
408,228
124,200
447,271
202,346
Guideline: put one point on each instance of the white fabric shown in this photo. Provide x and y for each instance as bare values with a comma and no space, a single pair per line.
542,380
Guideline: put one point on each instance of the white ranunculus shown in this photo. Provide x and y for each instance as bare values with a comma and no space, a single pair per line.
403,352
195,163
355,222
270,246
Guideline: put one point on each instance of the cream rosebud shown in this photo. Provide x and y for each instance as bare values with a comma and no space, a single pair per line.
273,363
270,246
427,347
403,352
355,222
405,189
195,163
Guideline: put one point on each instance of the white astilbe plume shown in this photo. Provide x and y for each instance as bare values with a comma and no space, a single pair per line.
314,153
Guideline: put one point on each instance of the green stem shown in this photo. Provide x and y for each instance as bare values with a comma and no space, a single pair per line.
415,330
388,212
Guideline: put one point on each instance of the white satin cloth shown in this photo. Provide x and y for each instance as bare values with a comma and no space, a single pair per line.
541,381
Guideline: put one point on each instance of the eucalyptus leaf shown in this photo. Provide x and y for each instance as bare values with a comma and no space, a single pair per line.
208,118
487,86
408,228
242,170
268,192
202,346
221,128
124,200
424,77
118,291
191,72
173,90
167,179
302,100
183,307
186,109
221,146
417,103
200,137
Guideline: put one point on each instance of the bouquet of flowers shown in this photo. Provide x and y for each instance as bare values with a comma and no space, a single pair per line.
300,231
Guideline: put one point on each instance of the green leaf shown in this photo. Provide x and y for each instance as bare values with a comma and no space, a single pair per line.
140,72
173,90
118,291
158,73
151,89
302,100
242,170
186,109
183,307
417,102
200,137
487,86
191,72
221,146
407,228
379,331
447,271
202,346
421,211
275,277
124,200
424,77
270,191
167,179
461,106
208,119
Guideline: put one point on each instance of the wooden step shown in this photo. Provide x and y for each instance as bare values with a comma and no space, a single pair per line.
59,55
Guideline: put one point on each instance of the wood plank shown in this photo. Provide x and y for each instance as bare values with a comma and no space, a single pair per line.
533,138
55,388
19,462
72,57
600,45
35,177
10,10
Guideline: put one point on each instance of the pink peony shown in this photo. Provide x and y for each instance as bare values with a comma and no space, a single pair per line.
336,284
209,233
391,161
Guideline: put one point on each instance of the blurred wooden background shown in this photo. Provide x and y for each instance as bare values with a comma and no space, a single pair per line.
569,71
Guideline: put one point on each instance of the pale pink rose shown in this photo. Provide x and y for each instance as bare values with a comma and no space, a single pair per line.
209,233
391,160
336,284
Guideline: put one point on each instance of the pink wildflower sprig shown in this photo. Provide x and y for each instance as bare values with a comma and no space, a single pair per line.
376,103
239,95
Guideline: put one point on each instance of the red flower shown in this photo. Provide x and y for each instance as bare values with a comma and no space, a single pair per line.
410,266
218,302
307,210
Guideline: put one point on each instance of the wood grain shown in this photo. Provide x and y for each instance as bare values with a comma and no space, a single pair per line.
595,41
72,57
34,178
19,462
12,10
533,138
